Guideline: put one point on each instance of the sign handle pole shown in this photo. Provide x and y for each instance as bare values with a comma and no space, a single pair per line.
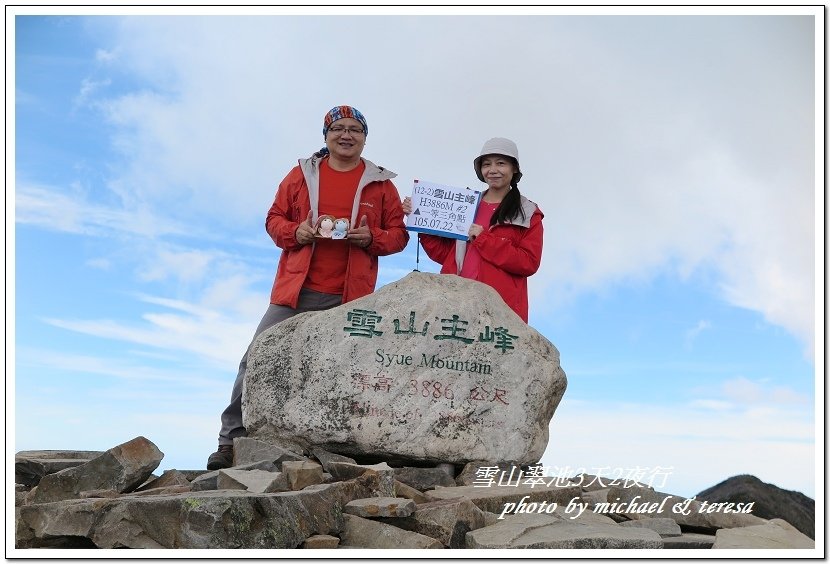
417,253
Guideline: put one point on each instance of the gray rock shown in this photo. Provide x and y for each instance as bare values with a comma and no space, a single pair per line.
302,473
255,481
98,493
380,507
366,533
280,484
266,465
192,474
424,478
551,531
168,478
701,518
208,519
23,534
690,541
247,450
20,494
490,518
158,492
321,541
151,478
365,379
775,533
664,526
592,497
496,498
32,465
587,517
205,482
402,490
122,468
228,480
347,471
29,496
447,520
60,524
448,468
325,457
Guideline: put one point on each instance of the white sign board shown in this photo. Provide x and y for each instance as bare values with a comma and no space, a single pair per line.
442,210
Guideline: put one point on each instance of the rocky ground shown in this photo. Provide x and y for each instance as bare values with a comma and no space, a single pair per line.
273,498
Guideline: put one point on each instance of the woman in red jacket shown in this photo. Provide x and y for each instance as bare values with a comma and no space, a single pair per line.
505,240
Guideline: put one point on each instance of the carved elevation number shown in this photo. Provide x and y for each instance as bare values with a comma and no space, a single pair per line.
429,388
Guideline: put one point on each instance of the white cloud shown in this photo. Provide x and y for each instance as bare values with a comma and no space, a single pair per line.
693,333
54,209
746,392
144,246
99,263
208,334
233,292
161,331
88,89
187,265
104,56
712,404
111,368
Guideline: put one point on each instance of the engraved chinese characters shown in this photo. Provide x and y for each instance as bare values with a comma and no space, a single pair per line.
430,368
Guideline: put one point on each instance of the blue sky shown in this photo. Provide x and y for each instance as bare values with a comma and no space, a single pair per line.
674,158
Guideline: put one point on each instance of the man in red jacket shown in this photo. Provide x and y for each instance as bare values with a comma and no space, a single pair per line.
317,273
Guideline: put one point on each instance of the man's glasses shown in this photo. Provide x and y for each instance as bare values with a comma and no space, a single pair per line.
341,130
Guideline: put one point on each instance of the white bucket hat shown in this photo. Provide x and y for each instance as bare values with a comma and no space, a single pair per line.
499,146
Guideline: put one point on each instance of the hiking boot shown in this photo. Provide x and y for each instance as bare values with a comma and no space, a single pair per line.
222,458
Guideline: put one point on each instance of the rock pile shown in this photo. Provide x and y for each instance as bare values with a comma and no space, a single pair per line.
275,498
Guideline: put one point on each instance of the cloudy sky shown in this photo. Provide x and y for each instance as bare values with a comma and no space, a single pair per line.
674,157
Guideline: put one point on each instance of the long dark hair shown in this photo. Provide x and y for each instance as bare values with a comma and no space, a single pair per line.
511,206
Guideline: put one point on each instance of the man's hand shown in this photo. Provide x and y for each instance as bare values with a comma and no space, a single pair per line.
407,205
360,236
305,232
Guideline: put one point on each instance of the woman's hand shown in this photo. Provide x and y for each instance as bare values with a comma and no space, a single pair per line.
475,231
407,205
